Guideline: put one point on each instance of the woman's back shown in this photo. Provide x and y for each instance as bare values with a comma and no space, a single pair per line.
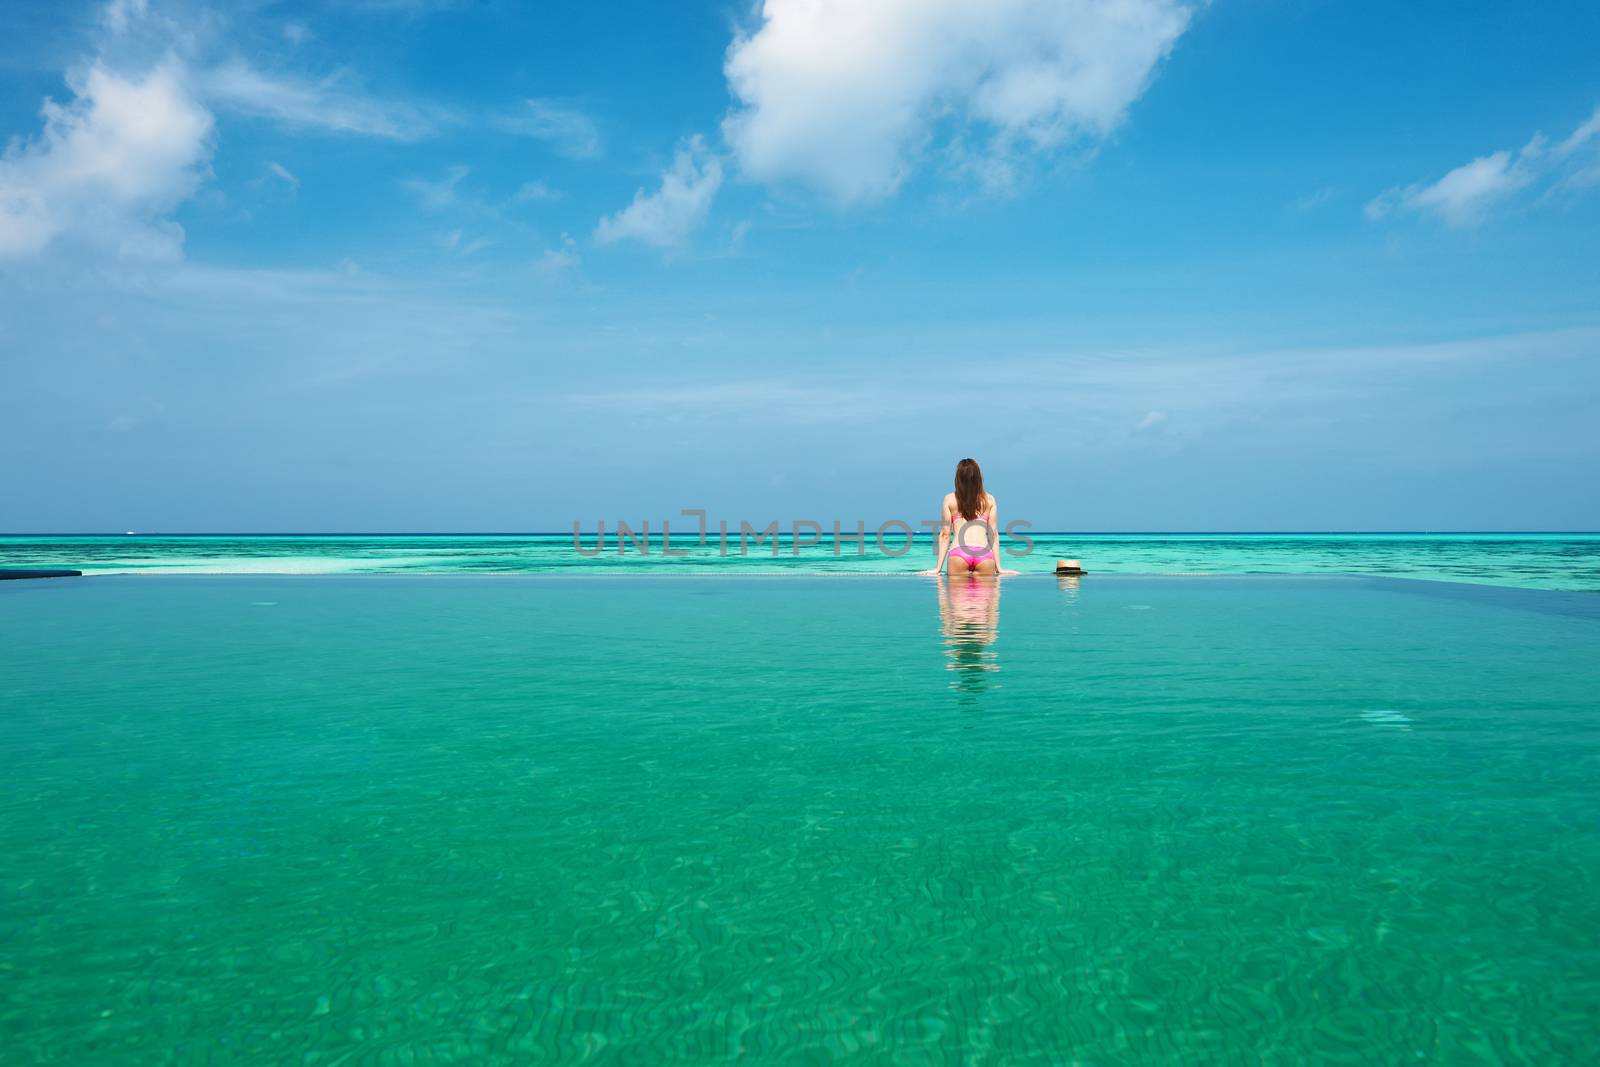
975,530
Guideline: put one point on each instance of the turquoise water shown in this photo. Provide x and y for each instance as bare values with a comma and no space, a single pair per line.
666,820
1533,561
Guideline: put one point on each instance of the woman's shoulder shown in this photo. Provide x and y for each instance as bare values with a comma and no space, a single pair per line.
989,498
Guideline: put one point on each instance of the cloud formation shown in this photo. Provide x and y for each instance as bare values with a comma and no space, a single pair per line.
1465,196
331,104
109,165
324,104
1113,396
666,217
135,139
436,195
556,262
283,174
1578,154
536,190
567,130
847,96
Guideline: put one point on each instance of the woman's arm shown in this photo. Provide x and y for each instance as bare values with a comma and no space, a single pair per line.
944,541
994,517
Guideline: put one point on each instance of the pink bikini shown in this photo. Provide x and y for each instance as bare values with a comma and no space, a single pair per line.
970,556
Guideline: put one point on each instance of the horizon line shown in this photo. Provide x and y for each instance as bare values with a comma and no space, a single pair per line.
656,534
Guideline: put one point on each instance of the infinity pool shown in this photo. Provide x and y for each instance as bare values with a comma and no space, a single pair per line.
690,819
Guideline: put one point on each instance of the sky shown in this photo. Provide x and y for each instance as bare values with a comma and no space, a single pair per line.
422,265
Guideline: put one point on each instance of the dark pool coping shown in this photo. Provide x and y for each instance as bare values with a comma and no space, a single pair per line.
1582,604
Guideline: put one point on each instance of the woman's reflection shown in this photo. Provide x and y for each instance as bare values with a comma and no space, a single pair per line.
969,615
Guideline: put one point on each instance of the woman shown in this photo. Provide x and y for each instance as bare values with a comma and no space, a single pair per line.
971,521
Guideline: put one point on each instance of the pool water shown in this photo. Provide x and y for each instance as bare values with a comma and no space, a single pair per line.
796,820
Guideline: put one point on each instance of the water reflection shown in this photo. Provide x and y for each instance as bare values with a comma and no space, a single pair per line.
969,615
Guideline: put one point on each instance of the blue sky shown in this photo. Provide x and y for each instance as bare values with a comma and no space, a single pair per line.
409,265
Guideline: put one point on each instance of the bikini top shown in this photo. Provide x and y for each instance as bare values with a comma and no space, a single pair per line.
983,516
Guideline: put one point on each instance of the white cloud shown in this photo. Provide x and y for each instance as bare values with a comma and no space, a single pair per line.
283,174
459,243
1161,394
568,130
454,195
190,36
1312,201
1465,196
556,262
536,190
1583,178
779,400
1581,136
120,15
1462,197
109,166
322,104
847,95
135,138
666,217
440,194
1582,170
412,8
330,105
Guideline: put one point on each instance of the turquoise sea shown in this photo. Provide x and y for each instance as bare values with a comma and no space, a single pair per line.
1534,561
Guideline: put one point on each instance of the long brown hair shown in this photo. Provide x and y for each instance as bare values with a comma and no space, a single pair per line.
970,498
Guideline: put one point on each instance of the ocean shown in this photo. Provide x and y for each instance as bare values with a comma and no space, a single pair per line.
1525,560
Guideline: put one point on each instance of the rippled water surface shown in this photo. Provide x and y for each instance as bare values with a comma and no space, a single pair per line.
665,820
1532,561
